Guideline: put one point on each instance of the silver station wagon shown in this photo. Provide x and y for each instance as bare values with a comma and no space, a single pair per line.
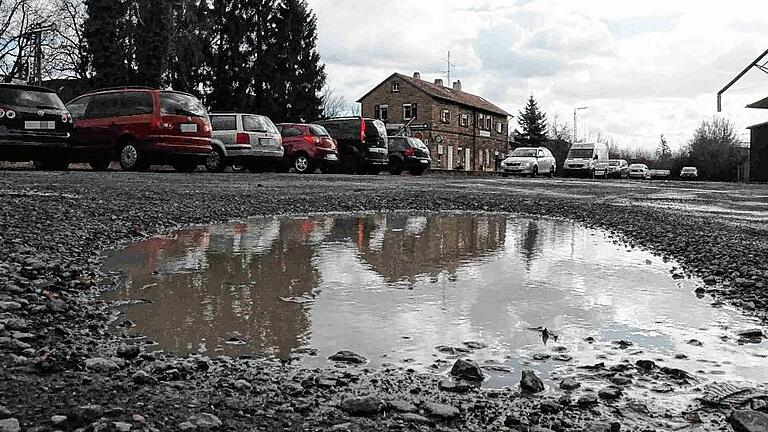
247,140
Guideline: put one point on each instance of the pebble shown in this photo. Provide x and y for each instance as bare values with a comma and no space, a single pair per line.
402,406
467,370
364,405
10,425
531,383
205,421
348,357
58,419
746,421
128,352
101,365
122,427
587,400
569,384
610,393
415,418
441,410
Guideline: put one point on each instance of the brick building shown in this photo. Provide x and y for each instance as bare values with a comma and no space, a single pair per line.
463,131
759,146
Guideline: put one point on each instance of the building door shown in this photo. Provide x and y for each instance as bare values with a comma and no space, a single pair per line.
467,159
450,158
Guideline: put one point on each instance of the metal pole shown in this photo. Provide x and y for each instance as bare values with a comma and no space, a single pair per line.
575,123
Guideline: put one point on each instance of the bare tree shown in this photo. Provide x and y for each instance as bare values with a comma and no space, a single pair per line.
66,55
560,131
21,22
333,105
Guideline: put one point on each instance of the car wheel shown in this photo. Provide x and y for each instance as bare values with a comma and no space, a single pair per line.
131,158
215,162
505,175
552,171
302,164
185,167
238,167
535,172
395,167
100,164
348,164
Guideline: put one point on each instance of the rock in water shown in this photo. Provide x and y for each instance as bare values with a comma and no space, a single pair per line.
531,383
365,405
747,421
348,357
467,370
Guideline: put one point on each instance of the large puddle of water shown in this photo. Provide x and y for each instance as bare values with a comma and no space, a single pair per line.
394,287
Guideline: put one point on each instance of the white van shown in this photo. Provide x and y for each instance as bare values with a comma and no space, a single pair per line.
583,157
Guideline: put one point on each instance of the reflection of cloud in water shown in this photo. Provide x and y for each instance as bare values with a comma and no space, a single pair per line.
395,286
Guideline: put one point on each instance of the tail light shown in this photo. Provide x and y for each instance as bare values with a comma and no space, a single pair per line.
242,139
162,125
410,152
312,139
66,118
362,130
9,113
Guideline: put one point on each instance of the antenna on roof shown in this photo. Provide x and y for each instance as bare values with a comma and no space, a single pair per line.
450,67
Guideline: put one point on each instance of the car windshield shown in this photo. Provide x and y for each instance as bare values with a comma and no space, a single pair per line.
181,104
638,167
30,98
689,169
524,152
417,144
319,131
580,154
614,163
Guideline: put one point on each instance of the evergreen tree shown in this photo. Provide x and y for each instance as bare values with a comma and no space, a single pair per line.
106,32
188,46
152,40
663,152
533,123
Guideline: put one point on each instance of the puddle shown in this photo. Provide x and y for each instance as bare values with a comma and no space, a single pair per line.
393,287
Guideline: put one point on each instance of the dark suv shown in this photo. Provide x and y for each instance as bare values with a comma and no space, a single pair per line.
408,154
308,147
362,144
34,126
138,127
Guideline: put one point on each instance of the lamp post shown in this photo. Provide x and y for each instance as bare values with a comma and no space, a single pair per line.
575,123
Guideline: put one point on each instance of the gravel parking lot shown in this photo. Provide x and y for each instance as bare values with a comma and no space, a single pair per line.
62,369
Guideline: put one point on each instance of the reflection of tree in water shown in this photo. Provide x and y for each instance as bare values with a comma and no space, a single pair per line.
232,292
416,246
531,246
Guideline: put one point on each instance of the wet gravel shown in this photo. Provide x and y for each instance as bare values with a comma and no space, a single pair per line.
62,369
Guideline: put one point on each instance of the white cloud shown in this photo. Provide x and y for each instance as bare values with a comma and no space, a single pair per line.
644,68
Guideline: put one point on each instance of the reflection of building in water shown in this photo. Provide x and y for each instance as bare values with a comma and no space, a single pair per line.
414,246
234,290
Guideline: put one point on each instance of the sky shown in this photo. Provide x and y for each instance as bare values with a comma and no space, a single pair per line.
643,68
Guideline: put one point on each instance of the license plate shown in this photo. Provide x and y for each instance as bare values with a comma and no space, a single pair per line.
189,128
40,125
266,141
331,157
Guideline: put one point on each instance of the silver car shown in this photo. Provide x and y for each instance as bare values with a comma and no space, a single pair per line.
529,161
247,140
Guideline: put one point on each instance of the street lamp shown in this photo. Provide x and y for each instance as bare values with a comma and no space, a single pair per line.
575,123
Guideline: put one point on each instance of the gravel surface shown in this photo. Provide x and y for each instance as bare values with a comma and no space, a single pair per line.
61,369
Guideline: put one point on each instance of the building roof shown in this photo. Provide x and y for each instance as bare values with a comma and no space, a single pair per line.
761,104
447,94
758,126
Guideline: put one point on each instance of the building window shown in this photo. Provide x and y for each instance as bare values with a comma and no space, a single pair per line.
488,125
408,112
382,112
480,121
464,120
395,87
440,150
445,116
499,127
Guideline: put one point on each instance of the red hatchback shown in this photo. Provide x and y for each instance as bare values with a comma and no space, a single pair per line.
139,127
308,147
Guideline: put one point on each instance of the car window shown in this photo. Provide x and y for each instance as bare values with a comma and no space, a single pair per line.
181,104
524,152
77,108
29,98
318,131
541,153
135,103
103,106
254,123
224,122
289,132
417,143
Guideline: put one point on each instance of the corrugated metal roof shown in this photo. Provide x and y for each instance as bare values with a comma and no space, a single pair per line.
447,94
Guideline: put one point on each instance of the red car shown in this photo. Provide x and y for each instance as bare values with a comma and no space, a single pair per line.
308,147
140,126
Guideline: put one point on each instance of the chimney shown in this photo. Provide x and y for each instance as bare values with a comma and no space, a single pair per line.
457,85
417,75
439,82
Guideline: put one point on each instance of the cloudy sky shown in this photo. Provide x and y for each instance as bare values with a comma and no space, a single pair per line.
644,68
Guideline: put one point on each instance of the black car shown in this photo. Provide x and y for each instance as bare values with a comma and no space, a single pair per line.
408,154
34,126
362,144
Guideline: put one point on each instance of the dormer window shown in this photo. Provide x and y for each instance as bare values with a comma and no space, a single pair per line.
395,87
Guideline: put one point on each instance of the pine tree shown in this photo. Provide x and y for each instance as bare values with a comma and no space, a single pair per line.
152,41
188,46
106,33
533,123
663,152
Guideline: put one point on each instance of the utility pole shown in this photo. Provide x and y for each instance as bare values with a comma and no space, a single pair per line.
576,123
450,67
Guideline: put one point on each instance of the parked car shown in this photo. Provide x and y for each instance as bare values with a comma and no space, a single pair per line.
250,140
614,168
529,161
362,144
660,174
408,154
140,126
689,173
583,159
34,126
308,147
639,171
